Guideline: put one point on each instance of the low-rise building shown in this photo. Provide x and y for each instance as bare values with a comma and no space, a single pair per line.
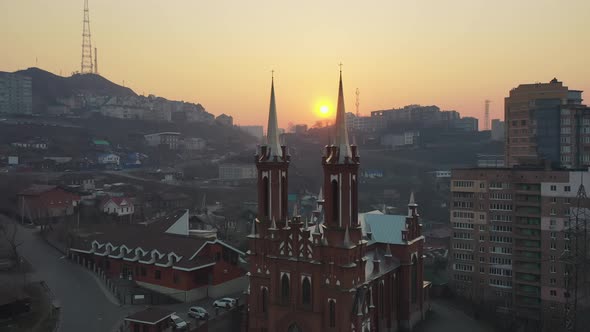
237,171
225,119
44,201
161,255
194,143
121,206
108,159
150,320
168,139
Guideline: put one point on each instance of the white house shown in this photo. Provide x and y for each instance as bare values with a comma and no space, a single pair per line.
121,206
108,158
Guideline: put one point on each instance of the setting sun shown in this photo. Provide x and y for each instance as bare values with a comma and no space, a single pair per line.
324,109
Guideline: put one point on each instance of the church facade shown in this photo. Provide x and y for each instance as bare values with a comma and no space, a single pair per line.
340,271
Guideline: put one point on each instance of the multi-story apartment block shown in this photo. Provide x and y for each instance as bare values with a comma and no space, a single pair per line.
16,94
509,237
547,121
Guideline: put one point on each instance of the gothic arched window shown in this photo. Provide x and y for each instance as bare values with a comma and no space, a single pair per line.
264,300
332,312
285,288
306,291
414,280
335,205
266,196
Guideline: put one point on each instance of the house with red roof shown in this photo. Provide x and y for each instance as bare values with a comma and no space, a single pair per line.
121,206
162,256
45,201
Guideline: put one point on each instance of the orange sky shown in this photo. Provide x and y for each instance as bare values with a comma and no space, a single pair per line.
452,53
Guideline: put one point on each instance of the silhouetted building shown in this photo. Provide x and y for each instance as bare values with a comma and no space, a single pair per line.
16,94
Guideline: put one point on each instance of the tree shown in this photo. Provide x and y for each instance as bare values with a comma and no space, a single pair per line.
8,232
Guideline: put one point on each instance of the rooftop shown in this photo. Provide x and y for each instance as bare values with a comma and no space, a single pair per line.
150,316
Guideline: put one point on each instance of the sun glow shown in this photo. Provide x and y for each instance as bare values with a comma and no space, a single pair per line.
323,108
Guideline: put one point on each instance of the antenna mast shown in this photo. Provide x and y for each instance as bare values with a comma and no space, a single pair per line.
487,115
95,61
86,63
357,102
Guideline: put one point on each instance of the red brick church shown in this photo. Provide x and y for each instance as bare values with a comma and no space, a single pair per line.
341,271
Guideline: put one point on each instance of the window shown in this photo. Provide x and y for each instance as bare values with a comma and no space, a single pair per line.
567,188
553,199
553,292
306,291
332,312
552,212
553,281
335,200
553,187
552,258
552,222
285,287
553,245
264,299
266,196
158,274
552,269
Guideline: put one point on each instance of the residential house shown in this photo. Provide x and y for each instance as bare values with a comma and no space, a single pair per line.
121,206
45,201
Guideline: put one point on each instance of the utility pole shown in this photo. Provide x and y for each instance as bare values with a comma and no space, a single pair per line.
487,115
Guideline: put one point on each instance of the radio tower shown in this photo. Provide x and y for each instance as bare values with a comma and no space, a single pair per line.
86,66
487,116
357,102
576,261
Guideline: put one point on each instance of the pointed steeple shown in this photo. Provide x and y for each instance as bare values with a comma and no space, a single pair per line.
412,206
253,230
340,125
272,130
273,224
388,251
346,242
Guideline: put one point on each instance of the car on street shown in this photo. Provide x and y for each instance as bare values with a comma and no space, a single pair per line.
225,302
178,323
198,313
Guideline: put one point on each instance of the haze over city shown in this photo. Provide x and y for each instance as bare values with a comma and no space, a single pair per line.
454,54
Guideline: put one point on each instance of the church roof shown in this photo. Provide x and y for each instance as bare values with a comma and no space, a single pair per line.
272,130
385,228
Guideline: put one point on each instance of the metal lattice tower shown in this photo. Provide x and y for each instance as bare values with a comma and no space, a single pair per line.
86,66
487,116
357,103
576,261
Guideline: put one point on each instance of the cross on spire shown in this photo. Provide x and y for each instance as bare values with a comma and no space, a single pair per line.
340,65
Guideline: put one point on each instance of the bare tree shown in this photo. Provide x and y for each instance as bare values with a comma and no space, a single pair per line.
8,232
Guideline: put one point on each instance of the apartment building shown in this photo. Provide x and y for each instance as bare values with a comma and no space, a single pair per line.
16,94
509,236
547,121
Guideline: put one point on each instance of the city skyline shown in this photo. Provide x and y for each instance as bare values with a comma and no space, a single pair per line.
221,54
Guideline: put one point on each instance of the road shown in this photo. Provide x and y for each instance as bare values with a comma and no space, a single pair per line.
84,305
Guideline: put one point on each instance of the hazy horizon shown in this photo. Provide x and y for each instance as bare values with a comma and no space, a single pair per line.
454,54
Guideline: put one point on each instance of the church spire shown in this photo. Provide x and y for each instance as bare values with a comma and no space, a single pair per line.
272,130
340,125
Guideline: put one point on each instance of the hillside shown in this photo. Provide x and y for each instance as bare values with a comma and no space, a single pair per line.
47,87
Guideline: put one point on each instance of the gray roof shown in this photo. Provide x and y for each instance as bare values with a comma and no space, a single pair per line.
385,228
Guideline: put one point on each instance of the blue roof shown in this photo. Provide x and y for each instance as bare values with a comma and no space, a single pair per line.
386,228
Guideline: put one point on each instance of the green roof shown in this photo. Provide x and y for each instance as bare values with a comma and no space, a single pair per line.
100,142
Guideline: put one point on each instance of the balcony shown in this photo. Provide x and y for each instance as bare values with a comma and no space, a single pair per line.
527,267
529,291
527,211
528,302
525,188
527,256
527,234
527,278
528,244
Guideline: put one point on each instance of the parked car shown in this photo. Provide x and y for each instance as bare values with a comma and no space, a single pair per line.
225,302
178,323
198,313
